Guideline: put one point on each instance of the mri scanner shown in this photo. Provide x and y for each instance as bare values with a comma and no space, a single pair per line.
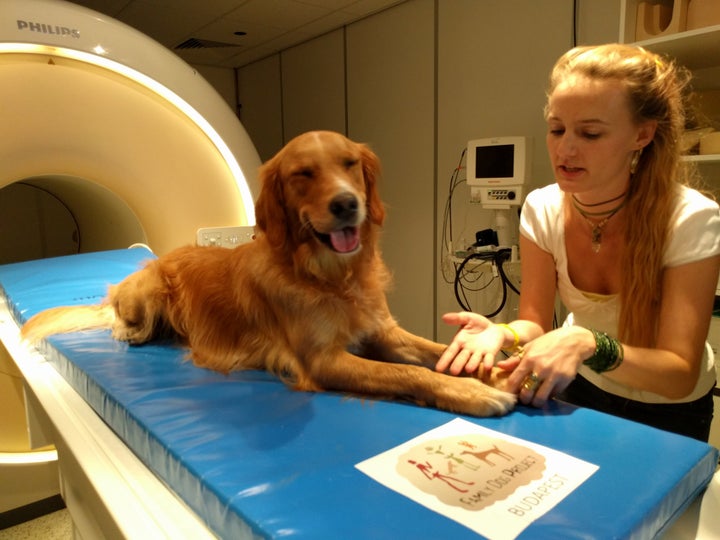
107,140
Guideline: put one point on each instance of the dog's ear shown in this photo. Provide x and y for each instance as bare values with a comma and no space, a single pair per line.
269,207
371,172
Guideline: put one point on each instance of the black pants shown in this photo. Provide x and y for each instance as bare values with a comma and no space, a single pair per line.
691,419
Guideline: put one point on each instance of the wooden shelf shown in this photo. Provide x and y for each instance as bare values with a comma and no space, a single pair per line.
696,49
708,158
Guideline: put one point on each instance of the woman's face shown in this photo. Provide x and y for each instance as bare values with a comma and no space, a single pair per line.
592,137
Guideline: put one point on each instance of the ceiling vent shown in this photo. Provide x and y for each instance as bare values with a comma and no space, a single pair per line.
195,43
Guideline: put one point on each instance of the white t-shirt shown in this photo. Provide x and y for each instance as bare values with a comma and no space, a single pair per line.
695,235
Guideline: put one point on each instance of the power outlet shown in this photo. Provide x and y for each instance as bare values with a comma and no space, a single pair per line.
228,237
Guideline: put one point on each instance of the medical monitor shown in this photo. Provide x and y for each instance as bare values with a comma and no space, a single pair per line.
497,168
498,161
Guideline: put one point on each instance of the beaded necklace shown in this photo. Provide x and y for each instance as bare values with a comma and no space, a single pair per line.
597,228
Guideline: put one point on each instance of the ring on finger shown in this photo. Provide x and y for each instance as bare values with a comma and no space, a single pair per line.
531,382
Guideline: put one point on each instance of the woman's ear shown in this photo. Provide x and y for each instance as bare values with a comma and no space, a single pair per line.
646,133
371,172
269,207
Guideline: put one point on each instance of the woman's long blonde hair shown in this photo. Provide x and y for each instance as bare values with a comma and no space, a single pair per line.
657,90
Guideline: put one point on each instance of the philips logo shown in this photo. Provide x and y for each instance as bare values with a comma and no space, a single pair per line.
48,29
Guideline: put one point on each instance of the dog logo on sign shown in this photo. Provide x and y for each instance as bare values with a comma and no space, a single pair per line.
470,471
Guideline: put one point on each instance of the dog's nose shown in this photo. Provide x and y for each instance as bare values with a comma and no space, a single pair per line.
344,206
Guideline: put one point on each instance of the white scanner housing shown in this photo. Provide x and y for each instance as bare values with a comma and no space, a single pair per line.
109,139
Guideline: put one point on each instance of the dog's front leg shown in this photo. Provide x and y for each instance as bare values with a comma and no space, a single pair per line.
397,345
345,372
139,305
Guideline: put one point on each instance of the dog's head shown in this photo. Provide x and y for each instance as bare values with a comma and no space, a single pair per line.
321,187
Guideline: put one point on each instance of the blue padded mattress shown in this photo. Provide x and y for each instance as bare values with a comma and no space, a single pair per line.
253,458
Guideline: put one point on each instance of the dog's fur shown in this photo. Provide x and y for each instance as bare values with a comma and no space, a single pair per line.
305,300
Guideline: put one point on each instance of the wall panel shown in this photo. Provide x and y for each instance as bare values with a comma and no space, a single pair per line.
260,104
391,106
313,85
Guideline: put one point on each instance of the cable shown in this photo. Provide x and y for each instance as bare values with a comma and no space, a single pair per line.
499,261
447,229
498,258
459,273
575,18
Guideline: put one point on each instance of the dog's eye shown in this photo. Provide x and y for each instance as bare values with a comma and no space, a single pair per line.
304,172
350,163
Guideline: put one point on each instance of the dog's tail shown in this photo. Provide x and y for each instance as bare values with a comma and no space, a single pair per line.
67,319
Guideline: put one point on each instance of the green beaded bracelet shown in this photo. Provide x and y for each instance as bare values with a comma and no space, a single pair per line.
608,355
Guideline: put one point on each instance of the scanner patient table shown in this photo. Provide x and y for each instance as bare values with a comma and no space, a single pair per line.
241,455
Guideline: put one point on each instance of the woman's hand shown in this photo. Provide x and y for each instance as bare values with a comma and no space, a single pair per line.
475,345
552,360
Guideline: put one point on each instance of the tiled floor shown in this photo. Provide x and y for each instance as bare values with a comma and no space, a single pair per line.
55,526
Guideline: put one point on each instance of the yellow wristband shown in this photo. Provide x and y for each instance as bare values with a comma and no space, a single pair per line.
516,338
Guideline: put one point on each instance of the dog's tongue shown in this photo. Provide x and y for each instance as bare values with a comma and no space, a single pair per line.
345,240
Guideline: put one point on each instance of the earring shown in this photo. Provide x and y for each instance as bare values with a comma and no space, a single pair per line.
634,161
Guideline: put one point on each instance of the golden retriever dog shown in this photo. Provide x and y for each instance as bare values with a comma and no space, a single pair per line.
305,300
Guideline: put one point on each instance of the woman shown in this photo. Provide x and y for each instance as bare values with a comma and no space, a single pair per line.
633,252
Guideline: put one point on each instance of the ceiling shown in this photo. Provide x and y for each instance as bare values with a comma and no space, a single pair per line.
202,32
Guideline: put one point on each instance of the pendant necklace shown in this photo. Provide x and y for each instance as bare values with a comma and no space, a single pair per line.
597,228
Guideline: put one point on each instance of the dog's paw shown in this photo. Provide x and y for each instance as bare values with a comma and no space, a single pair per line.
467,395
497,402
131,334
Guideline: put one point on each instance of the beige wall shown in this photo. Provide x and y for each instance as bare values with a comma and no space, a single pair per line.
221,79
416,82
313,86
260,104
391,103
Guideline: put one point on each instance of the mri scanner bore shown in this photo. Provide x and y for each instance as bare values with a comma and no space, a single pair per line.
35,225
109,139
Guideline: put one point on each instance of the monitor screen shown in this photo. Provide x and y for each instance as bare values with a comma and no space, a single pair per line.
495,161
502,161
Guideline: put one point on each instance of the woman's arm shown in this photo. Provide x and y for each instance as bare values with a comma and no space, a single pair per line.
538,279
670,369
